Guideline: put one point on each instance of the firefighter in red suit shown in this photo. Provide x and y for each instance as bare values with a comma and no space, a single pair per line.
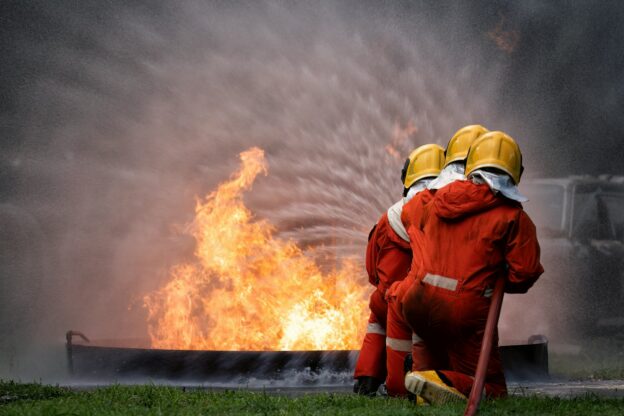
400,339
388,259
472,233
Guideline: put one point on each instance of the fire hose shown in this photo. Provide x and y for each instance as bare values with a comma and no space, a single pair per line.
486,348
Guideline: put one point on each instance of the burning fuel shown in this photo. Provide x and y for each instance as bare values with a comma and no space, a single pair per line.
250,290
115,114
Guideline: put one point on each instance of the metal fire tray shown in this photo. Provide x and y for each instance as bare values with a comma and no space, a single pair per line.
128,359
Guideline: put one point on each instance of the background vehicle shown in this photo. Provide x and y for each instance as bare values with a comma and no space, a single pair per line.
580,225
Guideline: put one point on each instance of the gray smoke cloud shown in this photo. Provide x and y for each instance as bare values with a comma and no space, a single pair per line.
116,115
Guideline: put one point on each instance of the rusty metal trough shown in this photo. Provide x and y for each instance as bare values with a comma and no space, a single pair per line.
119,360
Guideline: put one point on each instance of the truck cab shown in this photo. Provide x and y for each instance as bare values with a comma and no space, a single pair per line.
580,227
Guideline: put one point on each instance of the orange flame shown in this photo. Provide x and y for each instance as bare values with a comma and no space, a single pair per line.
399,137
248,289
504,38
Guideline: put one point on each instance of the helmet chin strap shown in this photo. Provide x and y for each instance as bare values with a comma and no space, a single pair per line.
404,170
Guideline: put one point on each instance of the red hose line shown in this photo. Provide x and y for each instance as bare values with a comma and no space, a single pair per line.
486,348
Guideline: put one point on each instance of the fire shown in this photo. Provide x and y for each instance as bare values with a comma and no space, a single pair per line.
505,39
249,289
399,137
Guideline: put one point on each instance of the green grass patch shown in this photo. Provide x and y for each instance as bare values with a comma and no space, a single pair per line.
34,399
11,392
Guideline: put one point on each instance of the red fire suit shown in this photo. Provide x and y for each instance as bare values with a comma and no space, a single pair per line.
388,259
470,237
400,337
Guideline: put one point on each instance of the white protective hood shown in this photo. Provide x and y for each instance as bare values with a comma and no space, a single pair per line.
419,186
394,212
453,172
498,182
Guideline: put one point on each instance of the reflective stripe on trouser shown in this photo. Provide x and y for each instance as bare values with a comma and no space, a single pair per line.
372,359
449,283
375,328
398,345
444,282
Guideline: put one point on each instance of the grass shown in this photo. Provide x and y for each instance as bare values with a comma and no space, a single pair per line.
35,399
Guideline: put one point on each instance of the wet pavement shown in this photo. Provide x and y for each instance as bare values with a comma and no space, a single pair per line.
567,389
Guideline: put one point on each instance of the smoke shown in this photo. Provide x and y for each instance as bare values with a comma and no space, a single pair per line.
116,115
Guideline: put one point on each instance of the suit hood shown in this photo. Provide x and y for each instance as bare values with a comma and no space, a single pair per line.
464,198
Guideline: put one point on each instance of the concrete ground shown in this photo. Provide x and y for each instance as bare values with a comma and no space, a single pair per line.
603,388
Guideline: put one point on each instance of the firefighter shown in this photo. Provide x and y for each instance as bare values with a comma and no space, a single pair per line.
388,259
472,233
400,338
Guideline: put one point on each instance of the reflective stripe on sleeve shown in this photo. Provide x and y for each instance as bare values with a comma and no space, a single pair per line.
396,344
394,219
375,328
416,338
441,281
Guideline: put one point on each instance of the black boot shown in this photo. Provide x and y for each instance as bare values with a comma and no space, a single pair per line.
407,367
407,364
366,386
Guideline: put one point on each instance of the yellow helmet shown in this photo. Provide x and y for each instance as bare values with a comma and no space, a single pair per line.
495,150
457,148
424,162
